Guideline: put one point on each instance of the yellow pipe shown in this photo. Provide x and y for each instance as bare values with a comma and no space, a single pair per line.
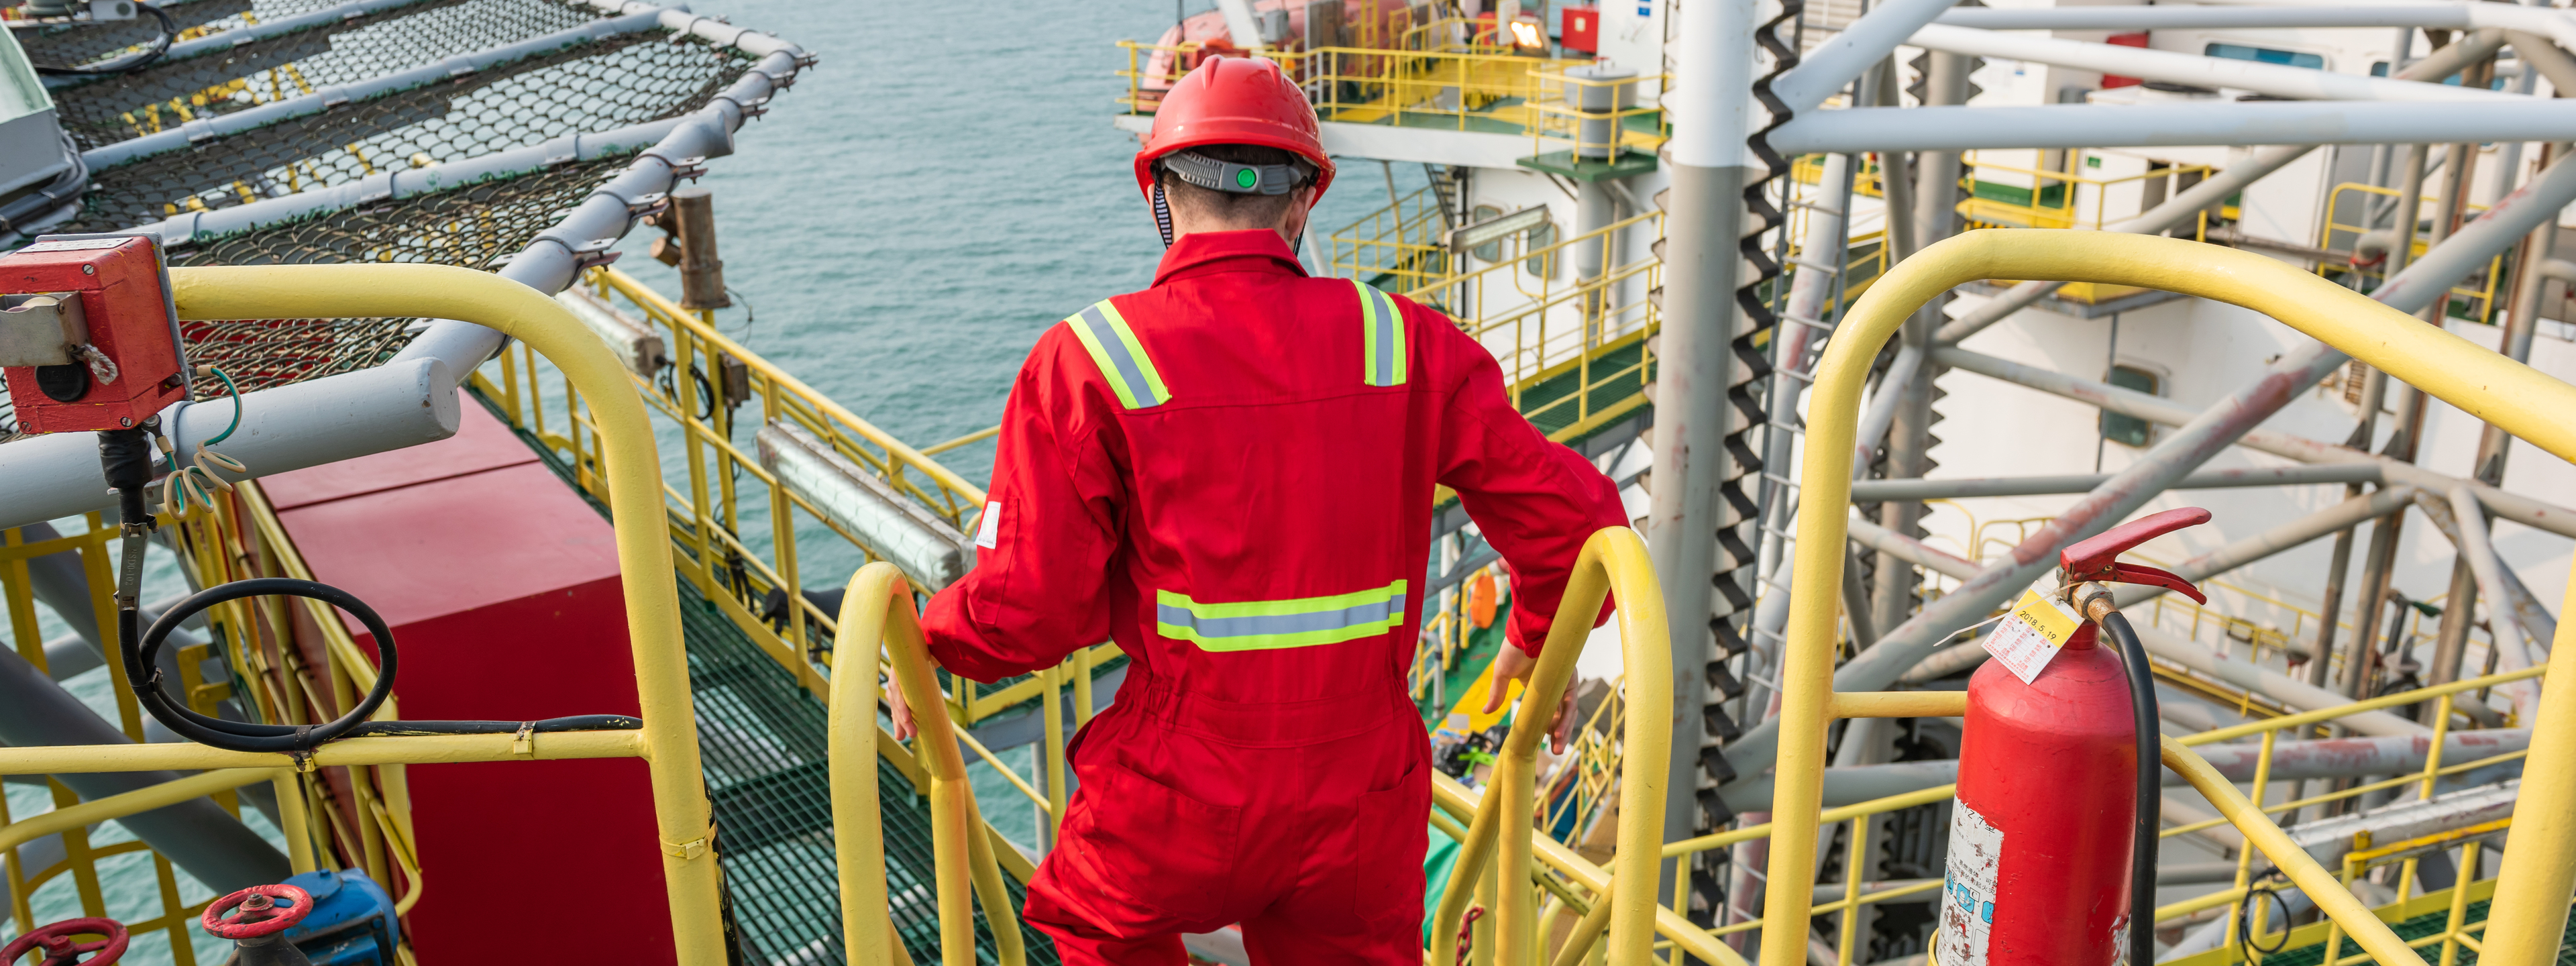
379,750
294,819
2524,925
858,831
2478,381
634,474
962,866
134,802
1613,560
2338,903
1900,704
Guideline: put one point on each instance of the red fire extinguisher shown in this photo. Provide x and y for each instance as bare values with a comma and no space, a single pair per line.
2052,839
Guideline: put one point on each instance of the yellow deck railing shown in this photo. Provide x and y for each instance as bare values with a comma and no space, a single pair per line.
1502,868
1435,77
2531,905
2339,235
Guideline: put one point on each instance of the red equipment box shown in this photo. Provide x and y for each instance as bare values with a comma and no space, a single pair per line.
105,302
1580,29
2123,40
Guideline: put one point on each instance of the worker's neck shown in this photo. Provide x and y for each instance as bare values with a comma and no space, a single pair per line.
1183,229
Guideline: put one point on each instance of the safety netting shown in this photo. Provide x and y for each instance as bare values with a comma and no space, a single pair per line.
588,87
77,44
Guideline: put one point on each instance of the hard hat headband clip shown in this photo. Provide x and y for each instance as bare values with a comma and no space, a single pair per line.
1228,176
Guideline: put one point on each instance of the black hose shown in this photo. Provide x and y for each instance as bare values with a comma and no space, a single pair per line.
128,65
2245,918
2143,841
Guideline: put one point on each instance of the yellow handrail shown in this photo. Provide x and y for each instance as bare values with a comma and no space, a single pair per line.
134,802
669,740
2531,908
1613,561
878,606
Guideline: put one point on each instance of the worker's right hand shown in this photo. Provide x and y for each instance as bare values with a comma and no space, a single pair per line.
903,726
1514,664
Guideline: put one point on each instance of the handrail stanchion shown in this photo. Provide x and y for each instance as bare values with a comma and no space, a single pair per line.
1613,559
2531,907
858,829
962,855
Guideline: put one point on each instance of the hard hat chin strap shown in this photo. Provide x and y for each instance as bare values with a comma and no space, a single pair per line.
1162,216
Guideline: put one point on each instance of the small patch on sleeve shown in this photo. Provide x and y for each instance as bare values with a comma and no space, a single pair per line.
988,534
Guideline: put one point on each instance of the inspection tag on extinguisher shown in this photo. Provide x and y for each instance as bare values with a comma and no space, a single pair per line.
2029,637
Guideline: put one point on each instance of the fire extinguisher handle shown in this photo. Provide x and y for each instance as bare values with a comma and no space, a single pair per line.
2098,558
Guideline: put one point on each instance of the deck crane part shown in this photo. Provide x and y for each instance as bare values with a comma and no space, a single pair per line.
2493,388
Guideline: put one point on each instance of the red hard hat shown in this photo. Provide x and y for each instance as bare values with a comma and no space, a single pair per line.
1235,100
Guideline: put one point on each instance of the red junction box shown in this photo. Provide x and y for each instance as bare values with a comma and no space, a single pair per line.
2123,40
124,298
501,586
1580,29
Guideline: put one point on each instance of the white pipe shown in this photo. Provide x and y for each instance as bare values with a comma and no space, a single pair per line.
1852,50
2471,522
2449,16
2177,125
1240,28
2545,21
2277,80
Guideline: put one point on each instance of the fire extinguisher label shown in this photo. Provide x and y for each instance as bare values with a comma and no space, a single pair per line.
2028,638
1968,887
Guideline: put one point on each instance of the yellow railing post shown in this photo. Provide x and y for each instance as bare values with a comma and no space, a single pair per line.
858,829
1614,559
634,482
2538,871
878,606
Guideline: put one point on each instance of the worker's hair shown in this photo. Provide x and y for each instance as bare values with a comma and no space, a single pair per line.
1229,208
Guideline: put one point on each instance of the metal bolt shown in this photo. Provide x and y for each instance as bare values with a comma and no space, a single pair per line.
89,269
125,421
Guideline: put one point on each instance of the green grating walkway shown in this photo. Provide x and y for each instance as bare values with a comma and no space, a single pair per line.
1606,391
2418,928
762,746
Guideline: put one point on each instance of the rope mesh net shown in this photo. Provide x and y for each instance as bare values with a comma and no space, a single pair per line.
584,88
592,87
88,43
168,94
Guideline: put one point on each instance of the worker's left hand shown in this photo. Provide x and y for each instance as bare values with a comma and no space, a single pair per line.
1514,664
903,726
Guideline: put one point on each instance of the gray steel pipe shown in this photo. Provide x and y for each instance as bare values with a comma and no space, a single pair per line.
2257,679
1852,50
196,835
2520,509
2528,613
1873,491
2174,125
2277,80
2350,512
1905,548
2183,207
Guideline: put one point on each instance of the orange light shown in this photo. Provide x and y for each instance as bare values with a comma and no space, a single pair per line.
1525,34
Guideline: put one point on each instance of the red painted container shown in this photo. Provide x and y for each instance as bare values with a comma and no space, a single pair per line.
2038,872
1580,29
501,586
2123,40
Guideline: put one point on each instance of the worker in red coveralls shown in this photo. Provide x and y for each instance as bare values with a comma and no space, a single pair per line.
1231,475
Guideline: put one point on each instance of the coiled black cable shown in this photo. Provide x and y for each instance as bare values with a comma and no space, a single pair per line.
125,458
2143,841
130,63
2245,917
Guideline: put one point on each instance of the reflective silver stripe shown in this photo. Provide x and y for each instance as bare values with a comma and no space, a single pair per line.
1383,327
1114,348
1357,615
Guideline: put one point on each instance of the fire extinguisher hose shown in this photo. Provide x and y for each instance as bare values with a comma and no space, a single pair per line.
2142,845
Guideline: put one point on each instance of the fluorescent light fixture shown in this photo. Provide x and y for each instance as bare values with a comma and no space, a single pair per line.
1496,229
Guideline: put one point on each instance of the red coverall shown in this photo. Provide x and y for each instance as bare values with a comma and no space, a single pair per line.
1230,475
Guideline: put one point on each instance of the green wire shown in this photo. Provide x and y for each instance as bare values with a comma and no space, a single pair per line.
234,392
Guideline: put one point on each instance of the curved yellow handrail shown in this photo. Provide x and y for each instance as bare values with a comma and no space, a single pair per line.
634,472
878,606
2530,907
1613,561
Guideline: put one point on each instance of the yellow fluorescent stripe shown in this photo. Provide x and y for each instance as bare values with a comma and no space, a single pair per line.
1136,350
1100,360
1274,642
1268,608
1368,333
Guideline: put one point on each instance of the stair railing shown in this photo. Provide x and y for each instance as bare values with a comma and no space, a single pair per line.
878,606
2531,908
1613,564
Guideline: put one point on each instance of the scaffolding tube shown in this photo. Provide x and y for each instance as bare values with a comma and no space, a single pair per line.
2194,124
1852,50
1874,491
2350,512
2277,80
